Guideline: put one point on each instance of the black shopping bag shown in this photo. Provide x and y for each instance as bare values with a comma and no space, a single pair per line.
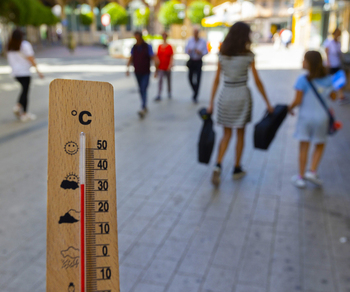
207,138
266,129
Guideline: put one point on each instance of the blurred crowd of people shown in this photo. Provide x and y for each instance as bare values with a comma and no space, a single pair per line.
314,89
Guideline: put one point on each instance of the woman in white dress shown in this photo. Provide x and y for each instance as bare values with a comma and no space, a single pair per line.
235,103
20,56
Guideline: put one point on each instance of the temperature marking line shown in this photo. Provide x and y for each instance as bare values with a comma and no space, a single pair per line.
82,211
91,275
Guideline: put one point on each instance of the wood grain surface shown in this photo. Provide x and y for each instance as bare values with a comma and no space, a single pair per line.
75,107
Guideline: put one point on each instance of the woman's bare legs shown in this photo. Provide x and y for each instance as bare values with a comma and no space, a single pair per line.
316,157
239,146
303,153
224,144
225,141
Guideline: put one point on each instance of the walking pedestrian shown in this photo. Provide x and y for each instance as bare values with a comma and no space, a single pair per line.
196,48
334,57
20,56
141,57
165,58
313,119
234,107
286,37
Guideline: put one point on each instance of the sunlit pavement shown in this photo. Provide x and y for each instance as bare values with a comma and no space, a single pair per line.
176,232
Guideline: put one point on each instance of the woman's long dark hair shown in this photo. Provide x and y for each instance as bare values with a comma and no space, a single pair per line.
15,41
316,68
237,41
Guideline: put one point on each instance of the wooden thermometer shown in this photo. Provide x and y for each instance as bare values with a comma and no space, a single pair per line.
82,241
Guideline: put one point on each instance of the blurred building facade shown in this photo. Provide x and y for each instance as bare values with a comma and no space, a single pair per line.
315,20
311,21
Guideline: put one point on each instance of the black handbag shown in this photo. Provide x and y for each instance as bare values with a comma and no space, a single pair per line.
206,138
266,129
189,63
332,129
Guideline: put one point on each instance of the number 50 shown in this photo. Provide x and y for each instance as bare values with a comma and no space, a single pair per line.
102,144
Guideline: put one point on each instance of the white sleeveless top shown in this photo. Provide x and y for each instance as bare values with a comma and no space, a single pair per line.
18,62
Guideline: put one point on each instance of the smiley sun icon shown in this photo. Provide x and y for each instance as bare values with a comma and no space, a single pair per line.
71,148
72,177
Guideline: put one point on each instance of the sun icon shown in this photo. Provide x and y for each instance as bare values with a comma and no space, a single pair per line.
71,148
72,177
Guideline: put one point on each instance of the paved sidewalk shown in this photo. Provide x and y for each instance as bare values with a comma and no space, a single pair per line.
176,232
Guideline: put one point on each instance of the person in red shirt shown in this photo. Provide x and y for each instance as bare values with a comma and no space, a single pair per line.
165,62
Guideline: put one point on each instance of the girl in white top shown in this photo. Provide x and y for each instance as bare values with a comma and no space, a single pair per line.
21,58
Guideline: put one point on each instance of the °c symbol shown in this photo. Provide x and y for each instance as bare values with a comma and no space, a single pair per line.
84,121
74,113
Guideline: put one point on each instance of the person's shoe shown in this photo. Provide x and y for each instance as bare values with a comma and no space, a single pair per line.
17,110
215,179
298,181
141,113
313,177
158,98
238,173
28,117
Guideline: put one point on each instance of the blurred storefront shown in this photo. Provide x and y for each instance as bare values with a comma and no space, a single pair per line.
314,21
265,16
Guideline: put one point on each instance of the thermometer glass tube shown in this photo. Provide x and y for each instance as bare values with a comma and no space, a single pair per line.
82,164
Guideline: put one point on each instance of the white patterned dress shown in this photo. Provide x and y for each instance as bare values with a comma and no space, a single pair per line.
234,109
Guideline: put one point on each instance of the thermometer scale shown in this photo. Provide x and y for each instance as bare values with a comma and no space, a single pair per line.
82,243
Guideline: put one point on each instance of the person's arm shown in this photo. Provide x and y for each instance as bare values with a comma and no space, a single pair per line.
297,100
171,59
202,49
327,54
261,87
205,47
128,65
214,89
188,51
171,62
31,59
153,57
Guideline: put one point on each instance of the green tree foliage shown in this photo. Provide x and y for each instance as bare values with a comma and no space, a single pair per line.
171,12
28,12
87,18
117,13
198,10
141,17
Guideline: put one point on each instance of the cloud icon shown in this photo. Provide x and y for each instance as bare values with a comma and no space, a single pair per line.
71,252
71,216
66,184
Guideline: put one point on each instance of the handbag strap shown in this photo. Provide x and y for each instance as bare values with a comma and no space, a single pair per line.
320,99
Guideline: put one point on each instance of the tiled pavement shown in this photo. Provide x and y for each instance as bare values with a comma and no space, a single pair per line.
177,233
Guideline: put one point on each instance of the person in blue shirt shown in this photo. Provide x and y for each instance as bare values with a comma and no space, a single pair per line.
141,57
313,120
196,48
